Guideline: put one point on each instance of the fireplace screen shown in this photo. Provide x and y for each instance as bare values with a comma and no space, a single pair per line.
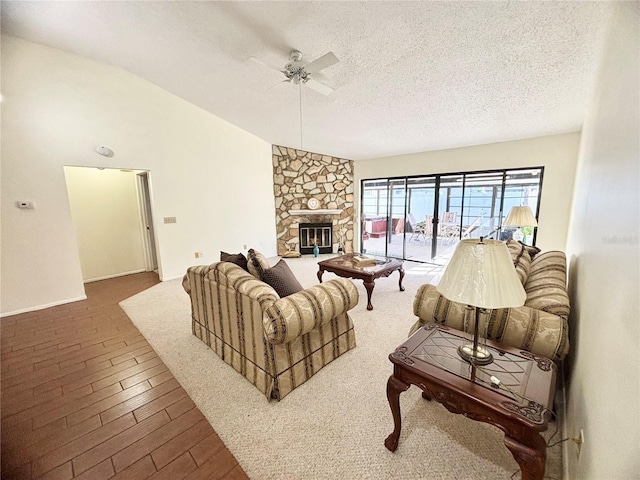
315,233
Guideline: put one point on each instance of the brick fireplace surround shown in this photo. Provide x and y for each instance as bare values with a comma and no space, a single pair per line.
298,176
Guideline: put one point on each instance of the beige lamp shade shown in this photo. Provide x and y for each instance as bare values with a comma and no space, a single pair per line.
520,217
482,274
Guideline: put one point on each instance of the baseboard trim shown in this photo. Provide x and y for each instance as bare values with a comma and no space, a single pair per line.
565,445
174,277
115,275
42,307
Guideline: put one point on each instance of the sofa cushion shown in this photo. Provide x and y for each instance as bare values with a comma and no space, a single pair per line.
238,258
521,259
282,279
256,263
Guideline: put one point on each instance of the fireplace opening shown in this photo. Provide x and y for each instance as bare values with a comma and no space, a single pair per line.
311,234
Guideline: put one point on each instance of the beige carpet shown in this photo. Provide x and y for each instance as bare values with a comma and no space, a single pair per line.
333,426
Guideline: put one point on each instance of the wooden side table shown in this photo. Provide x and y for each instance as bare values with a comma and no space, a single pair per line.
520,405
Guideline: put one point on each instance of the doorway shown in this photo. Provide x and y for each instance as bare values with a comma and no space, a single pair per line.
111,212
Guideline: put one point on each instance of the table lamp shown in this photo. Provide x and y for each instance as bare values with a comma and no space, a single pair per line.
520,217
481,274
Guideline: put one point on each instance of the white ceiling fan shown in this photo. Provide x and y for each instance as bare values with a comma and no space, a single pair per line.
299,73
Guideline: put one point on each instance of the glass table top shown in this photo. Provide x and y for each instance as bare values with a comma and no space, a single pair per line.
441,349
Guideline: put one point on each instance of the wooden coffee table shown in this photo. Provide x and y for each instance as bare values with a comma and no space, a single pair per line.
344,266
520,406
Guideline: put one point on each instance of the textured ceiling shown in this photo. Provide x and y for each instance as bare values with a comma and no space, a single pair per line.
412,76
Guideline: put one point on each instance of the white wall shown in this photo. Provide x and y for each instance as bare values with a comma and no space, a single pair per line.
557,153
57,108
106,214
603,248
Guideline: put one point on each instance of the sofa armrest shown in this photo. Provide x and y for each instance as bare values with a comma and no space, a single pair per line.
535,331
546,285
301,312
197,271
430,305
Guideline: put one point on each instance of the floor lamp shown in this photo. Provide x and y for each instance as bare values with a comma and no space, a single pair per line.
481,274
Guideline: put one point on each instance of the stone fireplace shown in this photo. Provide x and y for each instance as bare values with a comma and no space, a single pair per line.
299,176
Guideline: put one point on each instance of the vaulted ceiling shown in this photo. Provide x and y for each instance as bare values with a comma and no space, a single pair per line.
412,76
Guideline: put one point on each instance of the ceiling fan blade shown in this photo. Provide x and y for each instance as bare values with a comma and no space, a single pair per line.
274,86
319,87
324,61
260,62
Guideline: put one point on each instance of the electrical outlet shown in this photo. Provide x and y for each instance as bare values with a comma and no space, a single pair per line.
244,246
198,254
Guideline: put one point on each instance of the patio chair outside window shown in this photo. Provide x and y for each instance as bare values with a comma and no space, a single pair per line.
449,217
448,227
417,229
467,231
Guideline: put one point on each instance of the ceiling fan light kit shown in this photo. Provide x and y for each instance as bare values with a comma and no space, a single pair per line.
297,72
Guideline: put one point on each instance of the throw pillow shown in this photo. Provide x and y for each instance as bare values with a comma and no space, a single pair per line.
257,263
239,259
532,251
282,279
521,259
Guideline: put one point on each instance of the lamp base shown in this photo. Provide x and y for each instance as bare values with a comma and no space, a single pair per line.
518,235
481,356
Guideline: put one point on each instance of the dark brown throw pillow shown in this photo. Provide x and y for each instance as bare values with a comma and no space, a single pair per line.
282,279
532,251
238,258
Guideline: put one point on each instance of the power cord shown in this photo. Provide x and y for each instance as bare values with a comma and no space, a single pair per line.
496,383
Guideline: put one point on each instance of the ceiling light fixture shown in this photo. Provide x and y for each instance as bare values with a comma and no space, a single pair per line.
104,151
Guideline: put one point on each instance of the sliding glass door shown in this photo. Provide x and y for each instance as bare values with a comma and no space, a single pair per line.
396,218
422,218
420,223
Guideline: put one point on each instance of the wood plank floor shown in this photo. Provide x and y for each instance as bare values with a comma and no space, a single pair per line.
85,396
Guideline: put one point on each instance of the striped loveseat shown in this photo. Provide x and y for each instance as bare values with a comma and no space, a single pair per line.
539,327
275,343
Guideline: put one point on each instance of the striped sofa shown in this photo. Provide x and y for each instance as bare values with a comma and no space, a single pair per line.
539,327
275,343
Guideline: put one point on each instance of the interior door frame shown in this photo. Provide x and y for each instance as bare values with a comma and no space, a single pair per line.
146,218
